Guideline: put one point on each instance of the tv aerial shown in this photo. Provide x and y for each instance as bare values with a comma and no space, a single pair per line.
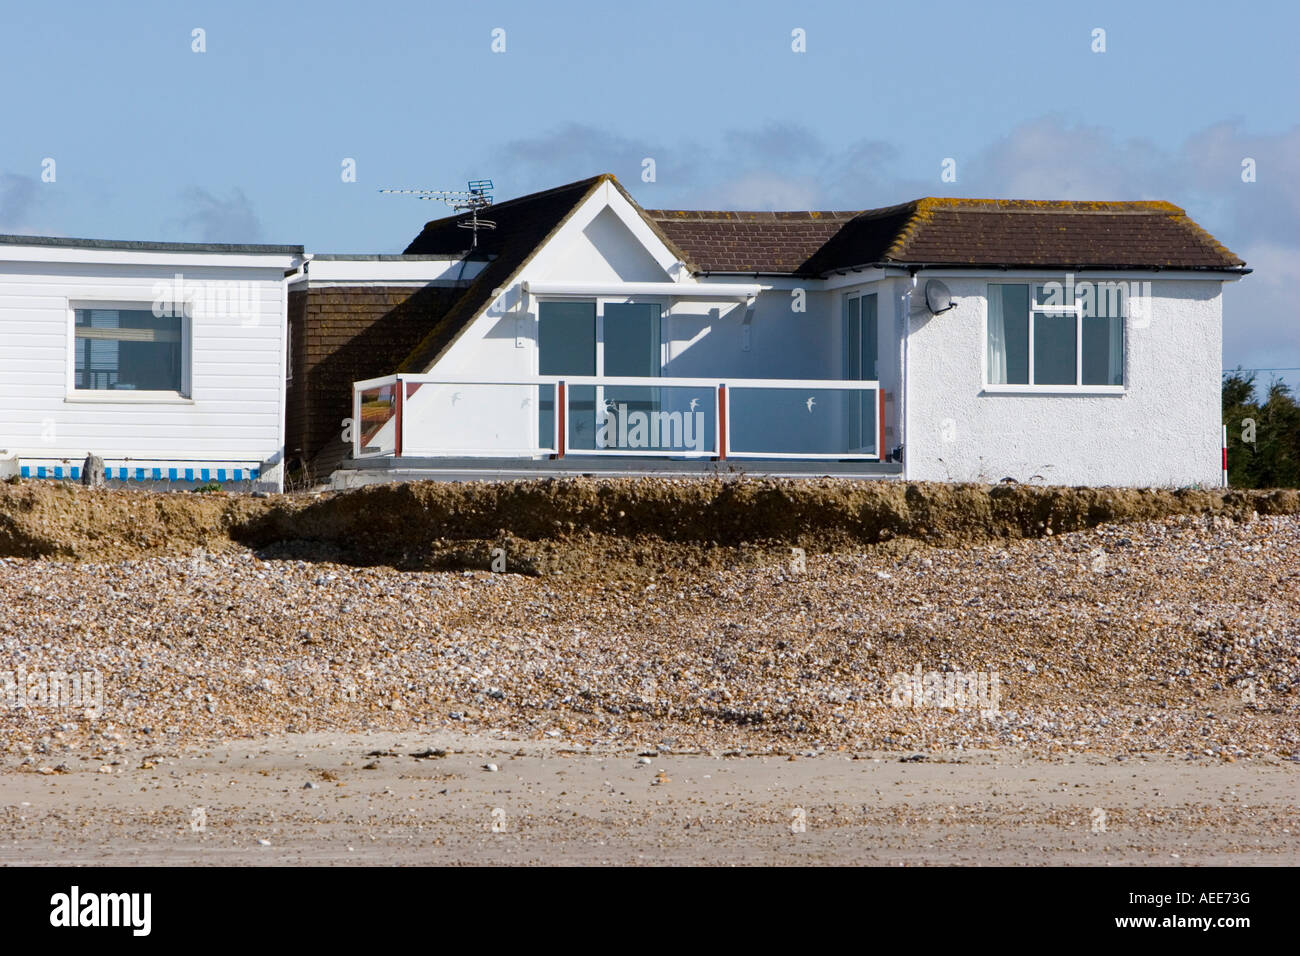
477,196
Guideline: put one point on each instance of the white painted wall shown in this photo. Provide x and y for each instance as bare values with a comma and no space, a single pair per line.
1164,430
235,412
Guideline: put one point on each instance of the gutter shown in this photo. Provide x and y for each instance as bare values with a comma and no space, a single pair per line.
688,290
914,267
293,275
904,380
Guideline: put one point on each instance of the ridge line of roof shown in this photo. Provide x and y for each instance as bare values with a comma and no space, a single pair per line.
928,203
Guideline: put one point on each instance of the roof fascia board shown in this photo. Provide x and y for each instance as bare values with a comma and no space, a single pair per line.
120,257
1134,273
856,277
697,290
372,271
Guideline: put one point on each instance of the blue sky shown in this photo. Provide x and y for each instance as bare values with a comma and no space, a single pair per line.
245,141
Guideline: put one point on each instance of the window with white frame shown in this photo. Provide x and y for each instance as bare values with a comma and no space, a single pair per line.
1049,335
129,350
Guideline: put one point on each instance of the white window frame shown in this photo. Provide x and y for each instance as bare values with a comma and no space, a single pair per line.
1035,288
128,396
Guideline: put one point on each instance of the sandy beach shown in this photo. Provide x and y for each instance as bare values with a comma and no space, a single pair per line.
330,799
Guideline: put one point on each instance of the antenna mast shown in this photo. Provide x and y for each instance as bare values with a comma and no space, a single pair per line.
477,196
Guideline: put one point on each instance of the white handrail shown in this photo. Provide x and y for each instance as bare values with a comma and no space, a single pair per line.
721,387
627,380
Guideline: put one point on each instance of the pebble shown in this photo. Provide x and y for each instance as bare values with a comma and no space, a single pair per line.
1182,620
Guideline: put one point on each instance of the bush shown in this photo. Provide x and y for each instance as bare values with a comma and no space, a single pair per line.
1272,460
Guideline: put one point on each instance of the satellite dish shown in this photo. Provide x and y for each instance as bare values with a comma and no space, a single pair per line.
938,299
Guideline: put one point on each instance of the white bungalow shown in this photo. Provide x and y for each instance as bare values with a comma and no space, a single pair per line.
942,339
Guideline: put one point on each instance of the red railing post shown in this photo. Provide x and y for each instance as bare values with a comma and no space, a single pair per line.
722,422
561,419
399,390
880,435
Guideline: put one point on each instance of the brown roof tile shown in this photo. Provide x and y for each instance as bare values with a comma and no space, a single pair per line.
770,242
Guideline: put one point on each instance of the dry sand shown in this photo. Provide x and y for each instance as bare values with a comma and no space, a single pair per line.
553,805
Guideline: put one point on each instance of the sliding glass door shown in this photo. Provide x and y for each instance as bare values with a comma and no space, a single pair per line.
597,338
861,350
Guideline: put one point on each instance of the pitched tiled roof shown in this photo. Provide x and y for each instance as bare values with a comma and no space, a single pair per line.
947,232
934,231
522,227
1124,235
779,242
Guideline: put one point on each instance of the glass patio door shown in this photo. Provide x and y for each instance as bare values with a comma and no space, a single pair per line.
860,360
593,338
631,346
566,345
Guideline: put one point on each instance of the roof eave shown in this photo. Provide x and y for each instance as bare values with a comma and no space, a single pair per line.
915,266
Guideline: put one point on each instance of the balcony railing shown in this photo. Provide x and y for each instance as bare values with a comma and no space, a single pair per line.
558,416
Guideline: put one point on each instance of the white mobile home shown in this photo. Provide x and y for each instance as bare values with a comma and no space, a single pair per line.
165,359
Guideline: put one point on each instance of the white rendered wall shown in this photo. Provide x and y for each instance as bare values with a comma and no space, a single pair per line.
1164,430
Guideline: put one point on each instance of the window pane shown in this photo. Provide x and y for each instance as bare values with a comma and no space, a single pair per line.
869,340
566,338
1105,298
777,421
632,338
1053,296
1055,351
852,338
128,349
1103,350
1008,344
